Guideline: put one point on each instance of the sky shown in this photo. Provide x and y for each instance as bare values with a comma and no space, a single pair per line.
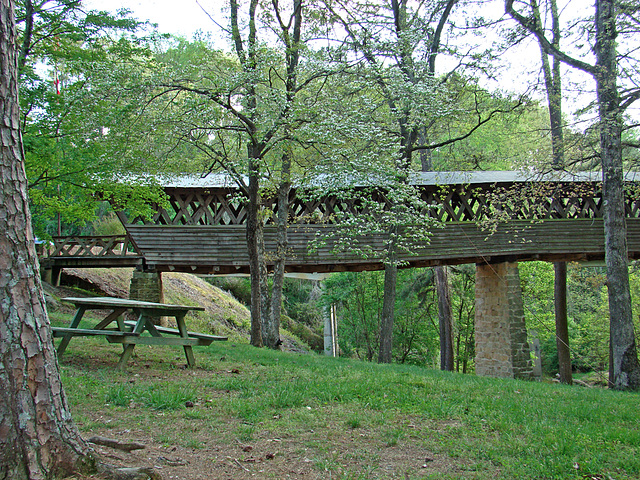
190,17
185,17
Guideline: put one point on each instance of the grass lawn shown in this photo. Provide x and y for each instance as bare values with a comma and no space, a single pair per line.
254,413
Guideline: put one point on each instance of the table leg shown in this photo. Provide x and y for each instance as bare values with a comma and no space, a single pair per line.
188,351
74,324
128,349
115,315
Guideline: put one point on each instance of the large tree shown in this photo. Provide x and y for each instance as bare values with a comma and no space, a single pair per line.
553,86
397,43
37,436
612,100
247,113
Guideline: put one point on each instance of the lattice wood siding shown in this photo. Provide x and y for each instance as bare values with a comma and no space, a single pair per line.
222,249
450,203
92,246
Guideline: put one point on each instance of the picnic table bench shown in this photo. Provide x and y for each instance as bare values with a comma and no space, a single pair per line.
128,333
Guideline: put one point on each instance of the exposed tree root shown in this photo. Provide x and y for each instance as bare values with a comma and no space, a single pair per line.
108,442
111,472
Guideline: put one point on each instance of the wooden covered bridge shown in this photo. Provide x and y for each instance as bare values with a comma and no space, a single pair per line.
487,218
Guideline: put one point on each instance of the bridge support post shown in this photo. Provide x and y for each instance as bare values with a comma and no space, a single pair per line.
52,275
147,287
331,331
502,349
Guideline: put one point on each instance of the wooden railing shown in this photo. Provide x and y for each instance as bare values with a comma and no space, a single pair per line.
91,246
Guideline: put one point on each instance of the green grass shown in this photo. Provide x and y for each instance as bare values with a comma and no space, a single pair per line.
495,429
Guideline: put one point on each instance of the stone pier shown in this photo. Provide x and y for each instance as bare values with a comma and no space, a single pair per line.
147,287
502,349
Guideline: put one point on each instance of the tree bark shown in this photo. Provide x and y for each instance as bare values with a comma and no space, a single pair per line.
292,53
253,233
553,85
272,338
388,311
37,436
562,325
444,319
624,369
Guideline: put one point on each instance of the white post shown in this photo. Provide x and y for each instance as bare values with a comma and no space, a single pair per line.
330,325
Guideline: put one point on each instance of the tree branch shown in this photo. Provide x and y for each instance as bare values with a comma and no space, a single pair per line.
531,25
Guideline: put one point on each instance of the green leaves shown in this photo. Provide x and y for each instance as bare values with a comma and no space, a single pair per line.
71,143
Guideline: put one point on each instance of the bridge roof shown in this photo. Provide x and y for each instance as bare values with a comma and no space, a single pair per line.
218,180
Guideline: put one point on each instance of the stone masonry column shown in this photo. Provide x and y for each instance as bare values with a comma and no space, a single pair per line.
502,349
147,287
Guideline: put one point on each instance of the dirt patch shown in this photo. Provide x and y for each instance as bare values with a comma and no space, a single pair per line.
346,454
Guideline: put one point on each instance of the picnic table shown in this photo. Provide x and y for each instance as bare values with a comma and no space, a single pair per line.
128,333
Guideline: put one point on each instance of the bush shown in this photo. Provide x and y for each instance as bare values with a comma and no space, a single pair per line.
240,288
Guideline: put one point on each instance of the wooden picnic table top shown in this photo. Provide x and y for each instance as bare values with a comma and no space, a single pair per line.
128,333
112,302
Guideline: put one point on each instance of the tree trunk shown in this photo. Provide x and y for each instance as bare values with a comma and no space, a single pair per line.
444,319
562,326
553,85
265,295
253,232
388,311
624,369
37,436
272,339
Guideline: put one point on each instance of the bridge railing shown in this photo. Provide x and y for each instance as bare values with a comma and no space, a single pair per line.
91,246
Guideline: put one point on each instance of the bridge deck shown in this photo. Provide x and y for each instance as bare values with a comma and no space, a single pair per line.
222,249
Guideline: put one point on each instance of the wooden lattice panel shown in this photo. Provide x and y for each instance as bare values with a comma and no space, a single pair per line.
449,203
92,246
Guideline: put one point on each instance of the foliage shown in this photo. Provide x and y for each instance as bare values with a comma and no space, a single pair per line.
394,217
108,225
587,310
66,115
238,287
463,303
415,334
359,297
301,302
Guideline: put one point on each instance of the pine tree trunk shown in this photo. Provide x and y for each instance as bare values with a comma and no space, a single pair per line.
624,369
37,436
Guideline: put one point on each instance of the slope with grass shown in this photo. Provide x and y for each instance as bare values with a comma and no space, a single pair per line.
254,413
223,314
